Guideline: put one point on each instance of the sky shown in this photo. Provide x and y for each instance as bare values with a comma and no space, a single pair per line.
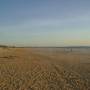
45,22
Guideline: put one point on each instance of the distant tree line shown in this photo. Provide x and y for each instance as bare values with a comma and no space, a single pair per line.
3,46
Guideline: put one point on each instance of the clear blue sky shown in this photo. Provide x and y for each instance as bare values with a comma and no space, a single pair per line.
45,22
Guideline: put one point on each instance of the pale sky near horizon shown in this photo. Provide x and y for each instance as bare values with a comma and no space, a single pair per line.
45,22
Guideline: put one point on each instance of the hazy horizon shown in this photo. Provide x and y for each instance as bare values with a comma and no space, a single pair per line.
45,22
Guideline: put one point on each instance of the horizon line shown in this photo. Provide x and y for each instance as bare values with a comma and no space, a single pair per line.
76,46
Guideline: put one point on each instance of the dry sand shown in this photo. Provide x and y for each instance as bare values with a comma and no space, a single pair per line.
41,69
